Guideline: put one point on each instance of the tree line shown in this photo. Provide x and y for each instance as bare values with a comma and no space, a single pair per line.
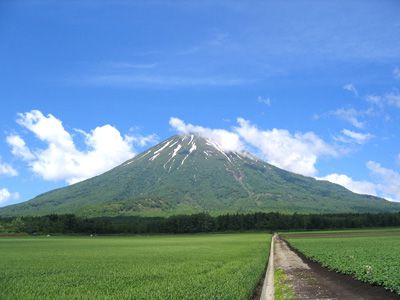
195,223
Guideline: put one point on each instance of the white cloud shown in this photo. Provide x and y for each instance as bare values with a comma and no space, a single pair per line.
19,148
160,81
61,159
374,99
351,88
48,129
350,136
229,141
396,73
6,195
360,187
393,98
297,152
389,180
6,169
350,115
389,98
145,140
266,101
129,65
386,185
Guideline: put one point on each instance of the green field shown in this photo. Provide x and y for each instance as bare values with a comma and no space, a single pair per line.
368,255
206,266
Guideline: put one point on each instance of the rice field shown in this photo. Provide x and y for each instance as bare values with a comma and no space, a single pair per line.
206,266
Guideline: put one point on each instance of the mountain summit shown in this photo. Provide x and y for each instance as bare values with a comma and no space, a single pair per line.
188,174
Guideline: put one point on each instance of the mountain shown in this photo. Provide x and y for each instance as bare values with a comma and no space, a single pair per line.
188,174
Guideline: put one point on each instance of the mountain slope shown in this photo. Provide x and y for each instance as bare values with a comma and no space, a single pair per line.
187,174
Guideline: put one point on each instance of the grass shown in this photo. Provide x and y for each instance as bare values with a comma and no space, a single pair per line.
283,291
343,232
370,256
208,266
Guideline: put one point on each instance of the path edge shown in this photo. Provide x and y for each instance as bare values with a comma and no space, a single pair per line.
267,292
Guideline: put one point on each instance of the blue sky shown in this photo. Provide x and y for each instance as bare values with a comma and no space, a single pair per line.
87,84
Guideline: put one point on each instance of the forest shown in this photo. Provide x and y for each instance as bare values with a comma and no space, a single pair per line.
202,222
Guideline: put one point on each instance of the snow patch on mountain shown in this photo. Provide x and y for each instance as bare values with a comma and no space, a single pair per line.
154,156
163,147
183,160
176,150
218,148
173,144
194,147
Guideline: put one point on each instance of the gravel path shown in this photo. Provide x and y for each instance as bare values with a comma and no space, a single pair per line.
311,281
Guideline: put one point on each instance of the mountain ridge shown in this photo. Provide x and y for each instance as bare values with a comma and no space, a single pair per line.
188,174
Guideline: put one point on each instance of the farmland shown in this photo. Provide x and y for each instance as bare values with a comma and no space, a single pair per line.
205,266
368,255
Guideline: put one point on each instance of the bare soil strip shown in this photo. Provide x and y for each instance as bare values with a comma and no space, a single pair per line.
310,280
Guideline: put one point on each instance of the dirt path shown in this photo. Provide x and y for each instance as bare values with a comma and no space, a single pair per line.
308,280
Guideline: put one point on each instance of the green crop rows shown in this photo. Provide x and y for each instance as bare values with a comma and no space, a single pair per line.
219,266
374,259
